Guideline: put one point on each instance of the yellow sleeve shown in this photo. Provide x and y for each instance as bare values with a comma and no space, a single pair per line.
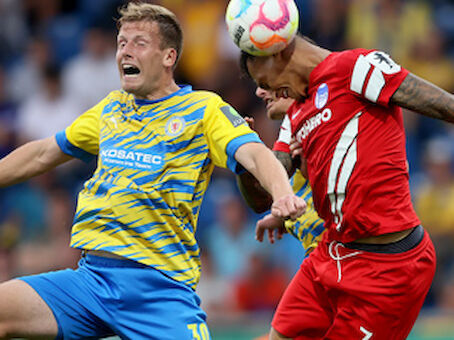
226,131
309,227
81,138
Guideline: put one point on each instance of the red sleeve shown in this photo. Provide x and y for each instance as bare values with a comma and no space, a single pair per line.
285,134
280,146
373,75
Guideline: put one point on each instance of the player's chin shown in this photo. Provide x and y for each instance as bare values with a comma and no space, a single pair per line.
275,115
129,86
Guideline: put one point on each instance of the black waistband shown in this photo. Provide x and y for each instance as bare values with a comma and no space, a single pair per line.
407,243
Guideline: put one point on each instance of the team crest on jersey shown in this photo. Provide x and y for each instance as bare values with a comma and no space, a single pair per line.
175,126
383,62
321,97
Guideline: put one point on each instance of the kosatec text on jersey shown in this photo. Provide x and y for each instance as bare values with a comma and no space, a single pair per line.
130,158
313,123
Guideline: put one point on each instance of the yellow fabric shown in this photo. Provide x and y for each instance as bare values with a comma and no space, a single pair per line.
309,227
154,165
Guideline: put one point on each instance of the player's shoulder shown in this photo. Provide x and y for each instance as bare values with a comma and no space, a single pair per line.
206,96
341,66
119,95
361,57
346,59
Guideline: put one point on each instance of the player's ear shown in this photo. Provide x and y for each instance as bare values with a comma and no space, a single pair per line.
170,57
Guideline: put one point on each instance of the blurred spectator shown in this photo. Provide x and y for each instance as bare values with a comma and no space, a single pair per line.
51,247
47,112
25,207
231,238
413,144
446,295
222,184
201,20
427,59
388,25
260,287
236,91
25,77
95,65
328,23
100,12
13,31
215,291
8,111
444,12
435,205
9,224
59,22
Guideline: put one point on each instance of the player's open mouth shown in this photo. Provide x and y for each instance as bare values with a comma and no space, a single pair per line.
269,103
130,70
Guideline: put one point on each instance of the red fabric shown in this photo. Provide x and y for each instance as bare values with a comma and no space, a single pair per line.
281,146
260,291
371,160
377,293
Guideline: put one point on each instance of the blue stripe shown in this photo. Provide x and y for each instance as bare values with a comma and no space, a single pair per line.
319,229
233,146
182,186
112,249
303,188
88,215
184,89
72,150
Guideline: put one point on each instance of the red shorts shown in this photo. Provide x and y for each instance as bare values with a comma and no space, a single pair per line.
354,294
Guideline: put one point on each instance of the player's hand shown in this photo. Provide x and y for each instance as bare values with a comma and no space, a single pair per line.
272,225
250,121
288,206
295,147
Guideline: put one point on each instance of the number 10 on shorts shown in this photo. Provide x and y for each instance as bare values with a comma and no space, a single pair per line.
199,331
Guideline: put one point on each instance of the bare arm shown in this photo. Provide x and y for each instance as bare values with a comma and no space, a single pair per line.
419,95
261,163
254,194
30,160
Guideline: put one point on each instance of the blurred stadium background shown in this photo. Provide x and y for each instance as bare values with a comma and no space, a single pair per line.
57,60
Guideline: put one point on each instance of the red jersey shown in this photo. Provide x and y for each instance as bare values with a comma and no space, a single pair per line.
354,142
285,135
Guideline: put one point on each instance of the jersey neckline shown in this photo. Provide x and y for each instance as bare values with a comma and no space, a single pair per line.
184,89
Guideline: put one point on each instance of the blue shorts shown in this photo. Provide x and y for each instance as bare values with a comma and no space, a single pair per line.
105,297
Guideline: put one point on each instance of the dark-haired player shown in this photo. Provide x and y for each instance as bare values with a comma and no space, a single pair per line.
369,275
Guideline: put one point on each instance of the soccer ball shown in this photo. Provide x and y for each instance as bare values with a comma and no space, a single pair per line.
262,27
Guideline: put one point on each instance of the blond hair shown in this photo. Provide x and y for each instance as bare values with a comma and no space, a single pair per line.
169,26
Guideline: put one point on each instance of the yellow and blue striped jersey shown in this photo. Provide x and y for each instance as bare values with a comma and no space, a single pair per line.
155,159
309,227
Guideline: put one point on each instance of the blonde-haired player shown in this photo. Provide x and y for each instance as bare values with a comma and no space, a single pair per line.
157,144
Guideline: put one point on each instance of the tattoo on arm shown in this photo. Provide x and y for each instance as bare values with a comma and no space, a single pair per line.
421,96
290,164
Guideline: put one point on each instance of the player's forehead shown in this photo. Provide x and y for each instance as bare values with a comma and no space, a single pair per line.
264,71
134,29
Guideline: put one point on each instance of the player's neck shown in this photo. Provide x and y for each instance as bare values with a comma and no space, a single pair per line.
308,56
166,88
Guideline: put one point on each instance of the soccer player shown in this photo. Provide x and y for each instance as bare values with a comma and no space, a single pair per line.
157,144
368,277
307,228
